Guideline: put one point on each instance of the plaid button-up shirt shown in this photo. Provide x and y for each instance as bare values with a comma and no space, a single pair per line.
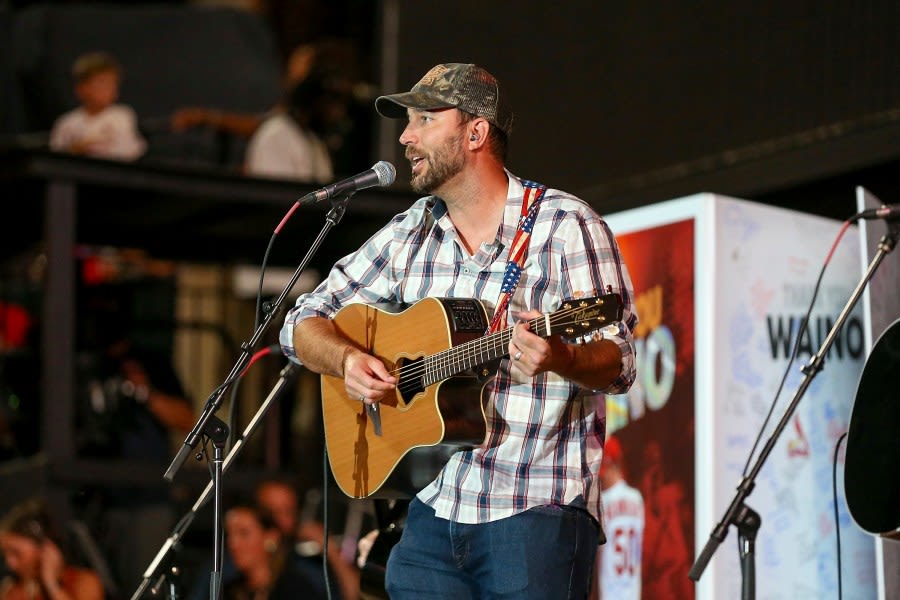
545,434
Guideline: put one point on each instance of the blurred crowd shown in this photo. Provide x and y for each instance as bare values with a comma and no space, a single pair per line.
316,129
270,553
131,406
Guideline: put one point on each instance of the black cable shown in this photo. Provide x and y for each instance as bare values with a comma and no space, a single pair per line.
325,472
803,325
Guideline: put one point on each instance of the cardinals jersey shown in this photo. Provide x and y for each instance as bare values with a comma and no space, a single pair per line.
620,556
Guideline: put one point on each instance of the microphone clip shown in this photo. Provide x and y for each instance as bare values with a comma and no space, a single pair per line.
886,212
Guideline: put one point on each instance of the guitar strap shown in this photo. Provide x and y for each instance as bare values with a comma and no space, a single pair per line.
534,193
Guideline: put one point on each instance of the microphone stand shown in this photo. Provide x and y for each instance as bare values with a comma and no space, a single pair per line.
338,208
210,426
286,376
739,514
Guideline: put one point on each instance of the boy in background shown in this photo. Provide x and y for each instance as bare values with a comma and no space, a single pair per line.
98,127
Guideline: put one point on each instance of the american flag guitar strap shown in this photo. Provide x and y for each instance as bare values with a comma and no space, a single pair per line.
534,193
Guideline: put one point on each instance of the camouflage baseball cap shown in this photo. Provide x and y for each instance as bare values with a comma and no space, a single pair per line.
467,87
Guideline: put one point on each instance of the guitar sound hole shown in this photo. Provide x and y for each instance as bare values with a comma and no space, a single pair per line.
411,374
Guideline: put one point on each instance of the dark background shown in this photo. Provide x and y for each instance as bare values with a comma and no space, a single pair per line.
625,104
788,103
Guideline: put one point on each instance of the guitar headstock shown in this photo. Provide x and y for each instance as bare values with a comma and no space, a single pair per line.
584,315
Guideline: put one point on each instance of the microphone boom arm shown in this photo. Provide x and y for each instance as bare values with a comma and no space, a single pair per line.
334,216
208,420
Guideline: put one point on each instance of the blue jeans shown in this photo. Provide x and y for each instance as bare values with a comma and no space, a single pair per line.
545,553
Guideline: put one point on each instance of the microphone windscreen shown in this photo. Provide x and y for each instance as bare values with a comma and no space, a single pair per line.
385,172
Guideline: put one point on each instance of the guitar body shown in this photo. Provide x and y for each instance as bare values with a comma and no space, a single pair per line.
422,424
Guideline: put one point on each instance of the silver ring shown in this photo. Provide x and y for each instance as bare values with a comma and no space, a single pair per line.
362,398
518,355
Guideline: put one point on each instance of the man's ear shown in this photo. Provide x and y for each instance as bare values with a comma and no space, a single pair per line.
478,130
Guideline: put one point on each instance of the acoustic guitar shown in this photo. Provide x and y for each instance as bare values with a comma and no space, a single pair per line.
438,351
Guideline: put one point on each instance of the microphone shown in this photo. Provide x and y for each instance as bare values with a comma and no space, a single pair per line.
382,173
888,212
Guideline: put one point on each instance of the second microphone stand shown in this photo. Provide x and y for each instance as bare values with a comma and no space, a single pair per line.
739,514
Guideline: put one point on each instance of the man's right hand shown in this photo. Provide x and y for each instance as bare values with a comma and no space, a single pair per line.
366,378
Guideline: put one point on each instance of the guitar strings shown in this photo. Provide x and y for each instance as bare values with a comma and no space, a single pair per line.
486,348
413,376
445,360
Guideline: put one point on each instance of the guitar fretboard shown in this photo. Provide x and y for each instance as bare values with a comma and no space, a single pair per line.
469,355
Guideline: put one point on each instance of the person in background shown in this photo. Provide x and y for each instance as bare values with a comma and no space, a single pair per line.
277,497
134,404
619,560
471,532
333,68
261,556
297,68
99,127
33,554
290,144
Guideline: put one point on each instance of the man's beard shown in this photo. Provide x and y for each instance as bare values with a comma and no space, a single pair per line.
443,163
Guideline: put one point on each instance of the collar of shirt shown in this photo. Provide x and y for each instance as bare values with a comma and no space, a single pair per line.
515,194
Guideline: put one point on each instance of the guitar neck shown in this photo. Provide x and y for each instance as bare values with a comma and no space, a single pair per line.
453,361
574,317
